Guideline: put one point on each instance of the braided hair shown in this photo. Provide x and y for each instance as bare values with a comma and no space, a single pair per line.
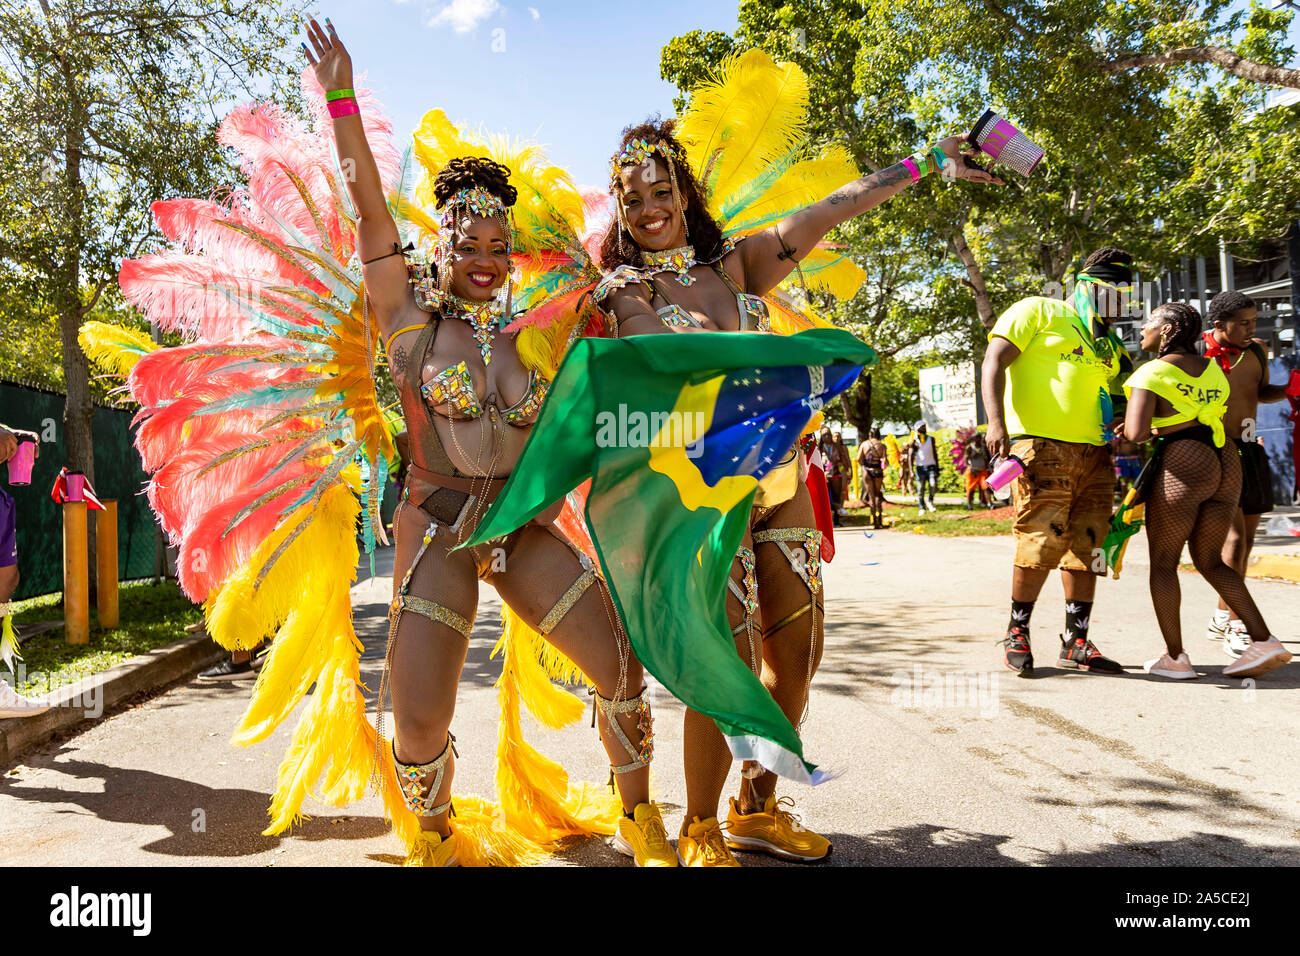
466,172
1184,327
705,233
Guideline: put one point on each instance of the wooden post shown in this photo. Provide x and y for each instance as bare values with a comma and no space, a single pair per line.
76,574
106,563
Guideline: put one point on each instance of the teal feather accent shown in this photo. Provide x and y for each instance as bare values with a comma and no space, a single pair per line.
754,189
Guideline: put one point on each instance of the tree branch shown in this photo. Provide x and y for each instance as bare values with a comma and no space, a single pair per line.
1219,56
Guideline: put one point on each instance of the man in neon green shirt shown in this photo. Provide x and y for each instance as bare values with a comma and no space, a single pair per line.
1051,380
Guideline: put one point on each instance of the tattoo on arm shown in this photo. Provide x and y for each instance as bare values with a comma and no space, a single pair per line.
855,192
893,174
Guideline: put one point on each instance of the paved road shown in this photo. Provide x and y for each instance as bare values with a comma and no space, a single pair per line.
944,758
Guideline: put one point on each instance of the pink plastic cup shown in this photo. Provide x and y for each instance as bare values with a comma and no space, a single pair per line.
76,485
1010,469
20,465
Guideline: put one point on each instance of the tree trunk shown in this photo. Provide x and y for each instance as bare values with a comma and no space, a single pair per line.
975,275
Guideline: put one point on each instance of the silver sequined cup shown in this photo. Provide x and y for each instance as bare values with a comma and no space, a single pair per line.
996,136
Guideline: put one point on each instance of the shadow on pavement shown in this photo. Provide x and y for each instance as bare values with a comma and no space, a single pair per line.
229,825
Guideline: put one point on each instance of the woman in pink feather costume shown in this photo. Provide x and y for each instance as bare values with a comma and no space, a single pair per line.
468,402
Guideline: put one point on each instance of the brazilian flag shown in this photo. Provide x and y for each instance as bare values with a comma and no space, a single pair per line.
675,431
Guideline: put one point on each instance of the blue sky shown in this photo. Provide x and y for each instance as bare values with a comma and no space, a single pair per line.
565,74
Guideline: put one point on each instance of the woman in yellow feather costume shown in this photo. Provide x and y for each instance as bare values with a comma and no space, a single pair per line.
712,213
470,392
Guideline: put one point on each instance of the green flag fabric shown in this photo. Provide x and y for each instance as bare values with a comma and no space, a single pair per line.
674,432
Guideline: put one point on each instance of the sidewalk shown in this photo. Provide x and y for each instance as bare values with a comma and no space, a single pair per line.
945,758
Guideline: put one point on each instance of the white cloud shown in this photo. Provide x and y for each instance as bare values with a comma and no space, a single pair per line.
462,15
536,14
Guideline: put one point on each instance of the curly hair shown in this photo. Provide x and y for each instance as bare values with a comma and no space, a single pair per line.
466,172
1227,304
1185,327
704,232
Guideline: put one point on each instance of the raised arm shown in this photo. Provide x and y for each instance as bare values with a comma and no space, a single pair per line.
377,236
770,255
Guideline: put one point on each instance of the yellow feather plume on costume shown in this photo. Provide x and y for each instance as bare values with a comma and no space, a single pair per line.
548,209
113,348
832,272
744,136
542,347
9,644
891,448
304,601
738,123
536,795
789,318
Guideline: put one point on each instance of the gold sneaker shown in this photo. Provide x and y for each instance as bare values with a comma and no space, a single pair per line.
701,844
644,838
775,830
431,849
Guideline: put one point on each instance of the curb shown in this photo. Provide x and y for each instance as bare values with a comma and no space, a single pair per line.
88,700
1284,566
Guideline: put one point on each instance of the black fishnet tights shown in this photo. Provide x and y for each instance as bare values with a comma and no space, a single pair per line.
1193,502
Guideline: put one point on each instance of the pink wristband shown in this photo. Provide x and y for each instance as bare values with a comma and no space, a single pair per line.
344,107
911,168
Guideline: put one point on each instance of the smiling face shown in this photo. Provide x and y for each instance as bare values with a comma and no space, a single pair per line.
480,258
652,216
1238,329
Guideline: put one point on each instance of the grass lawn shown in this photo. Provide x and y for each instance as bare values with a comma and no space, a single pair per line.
150,616
948,521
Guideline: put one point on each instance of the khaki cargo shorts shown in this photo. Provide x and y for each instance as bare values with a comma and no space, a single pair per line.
1062,504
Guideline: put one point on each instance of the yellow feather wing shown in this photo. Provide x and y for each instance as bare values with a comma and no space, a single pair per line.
748,116
113,348
548,213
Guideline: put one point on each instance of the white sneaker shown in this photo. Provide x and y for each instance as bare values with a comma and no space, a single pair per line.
1166,666
1259,658
1215,631
14,705
1235,639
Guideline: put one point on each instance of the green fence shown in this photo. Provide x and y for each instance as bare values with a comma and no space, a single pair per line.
117,475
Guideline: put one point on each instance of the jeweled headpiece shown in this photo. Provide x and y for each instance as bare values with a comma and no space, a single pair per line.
480,202
636,153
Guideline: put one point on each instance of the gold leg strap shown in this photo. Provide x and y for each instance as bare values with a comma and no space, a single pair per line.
569,597
409,777
808,565
641,754
434,612
792,616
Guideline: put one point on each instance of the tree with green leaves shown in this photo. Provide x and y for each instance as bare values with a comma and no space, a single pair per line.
1161,161
109,107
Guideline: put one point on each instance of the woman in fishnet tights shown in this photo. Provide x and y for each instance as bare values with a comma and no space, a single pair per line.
1194,495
